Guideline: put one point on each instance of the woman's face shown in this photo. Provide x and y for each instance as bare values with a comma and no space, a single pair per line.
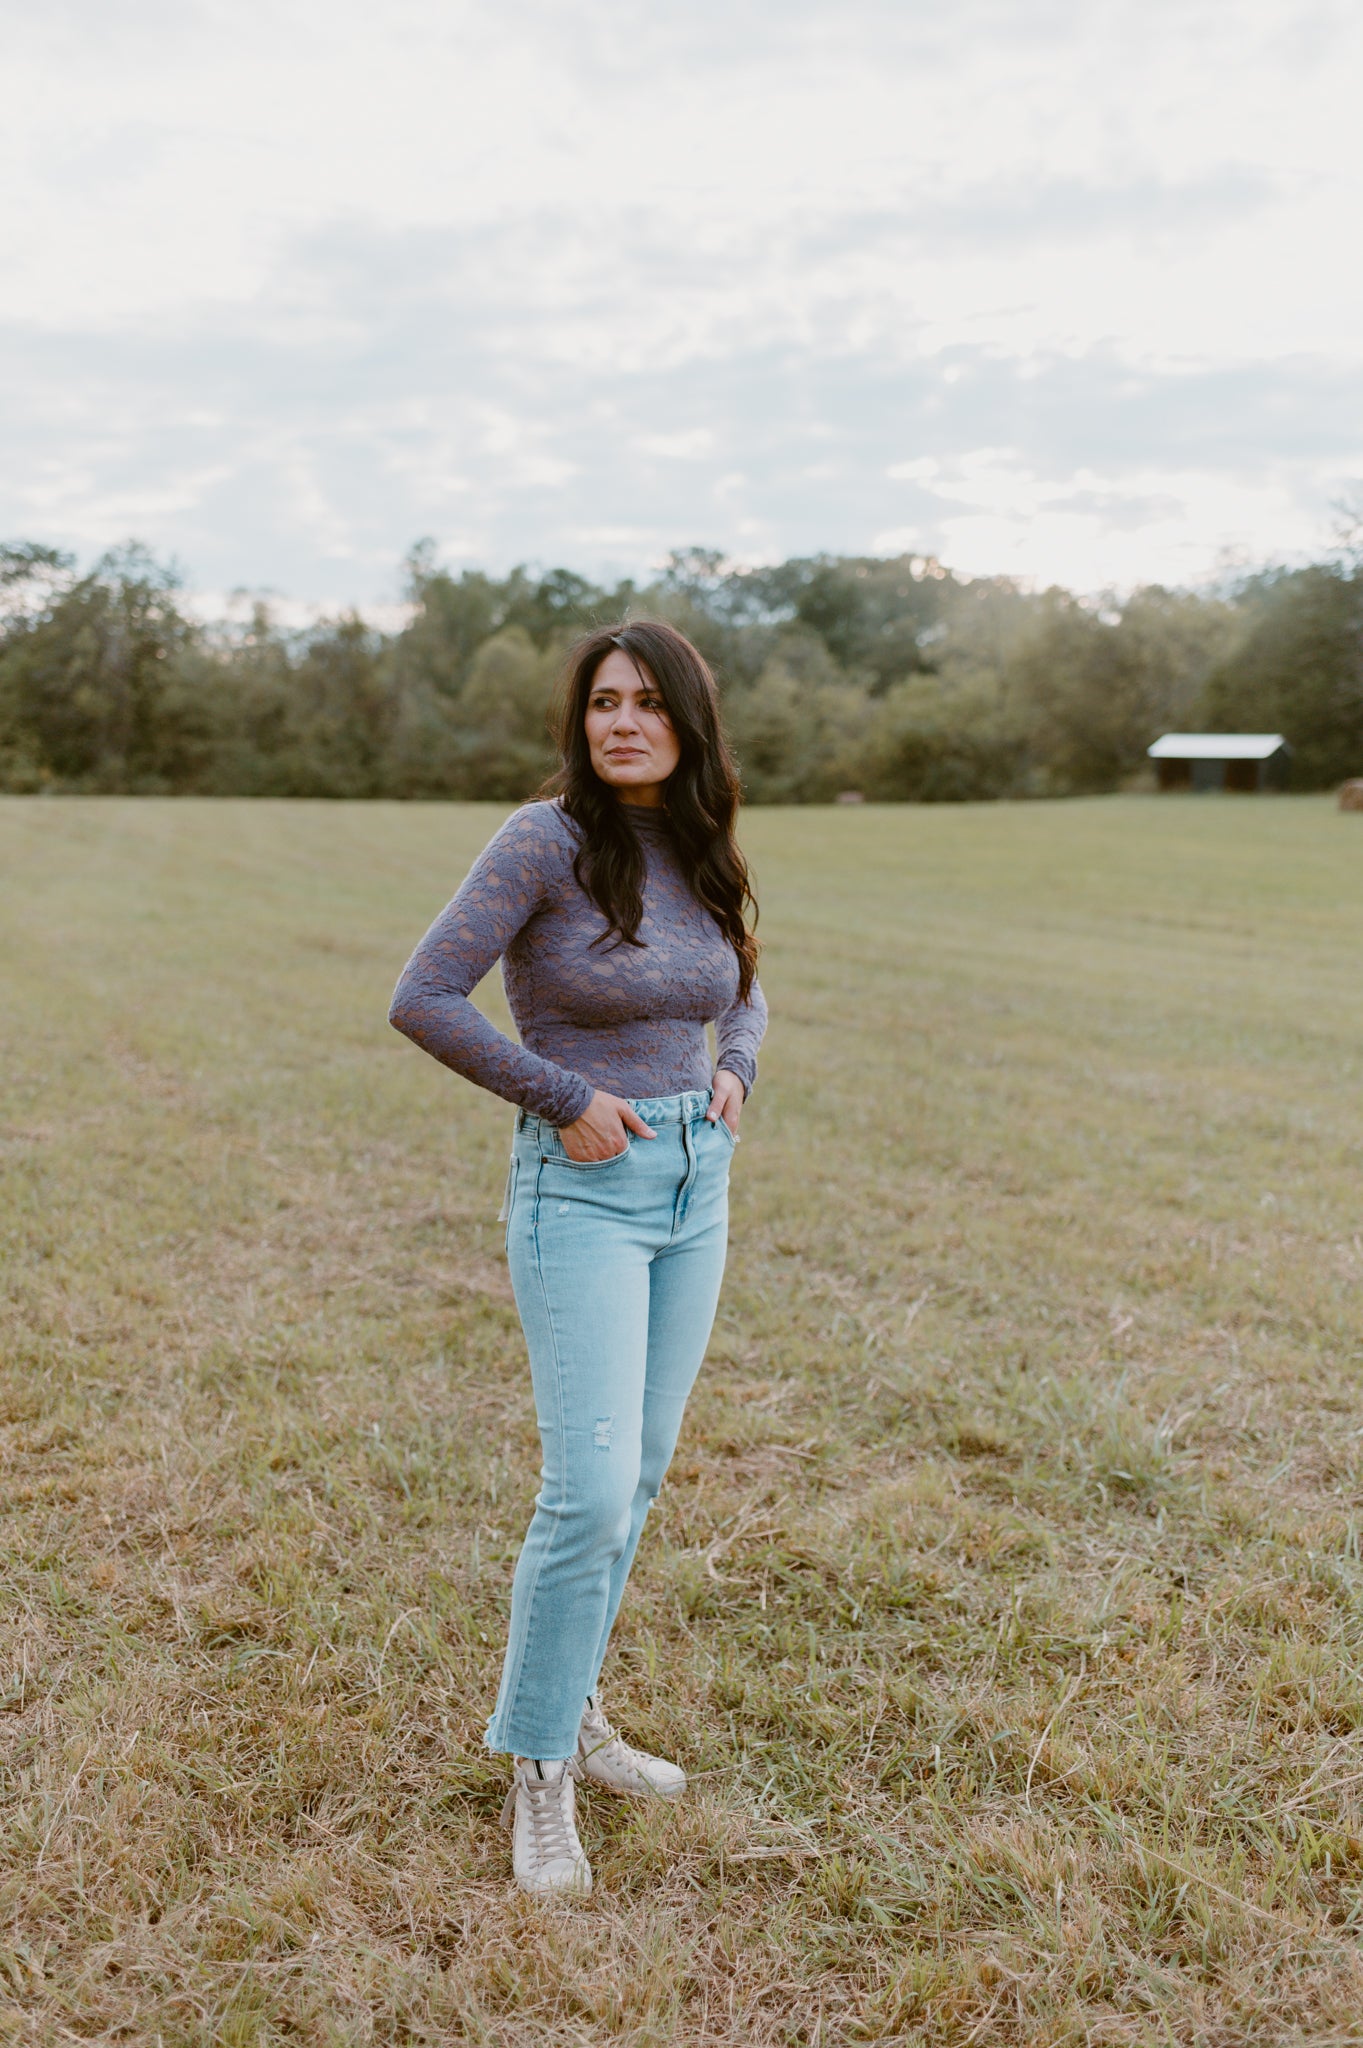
629,733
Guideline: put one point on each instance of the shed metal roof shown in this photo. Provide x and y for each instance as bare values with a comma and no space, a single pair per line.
1216,746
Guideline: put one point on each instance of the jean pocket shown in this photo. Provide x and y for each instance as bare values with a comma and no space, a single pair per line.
560,1158
732,1136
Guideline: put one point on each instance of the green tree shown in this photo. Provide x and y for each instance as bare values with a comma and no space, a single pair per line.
450,617
502,715
872,615
894,677
1298,670
929,742
89,695
342,711
246,674
1093,688
796,742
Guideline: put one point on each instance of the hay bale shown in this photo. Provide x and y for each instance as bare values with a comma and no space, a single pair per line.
1351,795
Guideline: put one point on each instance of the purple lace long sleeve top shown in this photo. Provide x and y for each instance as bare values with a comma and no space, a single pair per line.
629,1019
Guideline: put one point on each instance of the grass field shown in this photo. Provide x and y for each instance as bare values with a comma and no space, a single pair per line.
1005,1598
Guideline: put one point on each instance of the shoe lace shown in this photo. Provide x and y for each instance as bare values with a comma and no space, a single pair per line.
596,1727
600,1738
547,1810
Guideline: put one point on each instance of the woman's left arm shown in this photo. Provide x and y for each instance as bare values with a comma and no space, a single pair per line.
738,1034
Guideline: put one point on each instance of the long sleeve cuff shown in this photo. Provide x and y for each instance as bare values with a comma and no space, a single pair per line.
562,1100
741,1063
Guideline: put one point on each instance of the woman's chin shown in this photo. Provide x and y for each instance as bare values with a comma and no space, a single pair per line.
635,776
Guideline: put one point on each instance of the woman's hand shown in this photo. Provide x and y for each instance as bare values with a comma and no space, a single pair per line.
601,1130
726,1099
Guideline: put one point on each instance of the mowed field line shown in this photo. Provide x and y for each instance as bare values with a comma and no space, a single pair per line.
1004,1600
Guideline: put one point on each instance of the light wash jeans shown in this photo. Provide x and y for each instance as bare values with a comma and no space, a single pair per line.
616,1267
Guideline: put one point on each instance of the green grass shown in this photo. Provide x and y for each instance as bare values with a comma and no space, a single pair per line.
1004,1600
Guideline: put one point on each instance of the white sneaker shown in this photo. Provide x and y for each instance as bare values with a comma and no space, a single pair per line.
607,1761
546,1855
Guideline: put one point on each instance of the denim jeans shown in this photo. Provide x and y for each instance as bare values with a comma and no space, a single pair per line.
616,1267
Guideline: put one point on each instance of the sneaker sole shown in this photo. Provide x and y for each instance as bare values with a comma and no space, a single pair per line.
578,1888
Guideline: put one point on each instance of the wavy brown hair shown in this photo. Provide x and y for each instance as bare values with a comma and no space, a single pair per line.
702,793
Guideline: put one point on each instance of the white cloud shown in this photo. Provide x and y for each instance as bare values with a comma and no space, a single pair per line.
690,445
286,288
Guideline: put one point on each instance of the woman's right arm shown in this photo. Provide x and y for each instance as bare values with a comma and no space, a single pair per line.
506,885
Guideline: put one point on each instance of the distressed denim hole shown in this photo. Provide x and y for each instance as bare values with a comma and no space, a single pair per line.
603,1434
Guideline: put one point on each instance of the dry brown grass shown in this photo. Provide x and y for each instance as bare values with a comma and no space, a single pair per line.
1005,1598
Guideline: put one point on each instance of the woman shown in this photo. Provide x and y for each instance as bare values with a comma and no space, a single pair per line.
618,909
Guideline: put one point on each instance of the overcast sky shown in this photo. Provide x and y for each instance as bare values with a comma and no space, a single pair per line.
1062,288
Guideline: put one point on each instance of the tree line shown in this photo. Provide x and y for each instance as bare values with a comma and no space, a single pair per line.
896,678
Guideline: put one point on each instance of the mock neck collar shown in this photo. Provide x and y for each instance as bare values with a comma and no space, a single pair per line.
650,820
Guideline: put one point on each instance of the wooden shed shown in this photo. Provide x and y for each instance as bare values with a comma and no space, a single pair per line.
1241,761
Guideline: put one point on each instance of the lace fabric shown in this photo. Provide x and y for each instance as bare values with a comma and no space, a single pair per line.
630,1019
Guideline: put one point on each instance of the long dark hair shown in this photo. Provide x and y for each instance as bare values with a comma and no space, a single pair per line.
702,792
